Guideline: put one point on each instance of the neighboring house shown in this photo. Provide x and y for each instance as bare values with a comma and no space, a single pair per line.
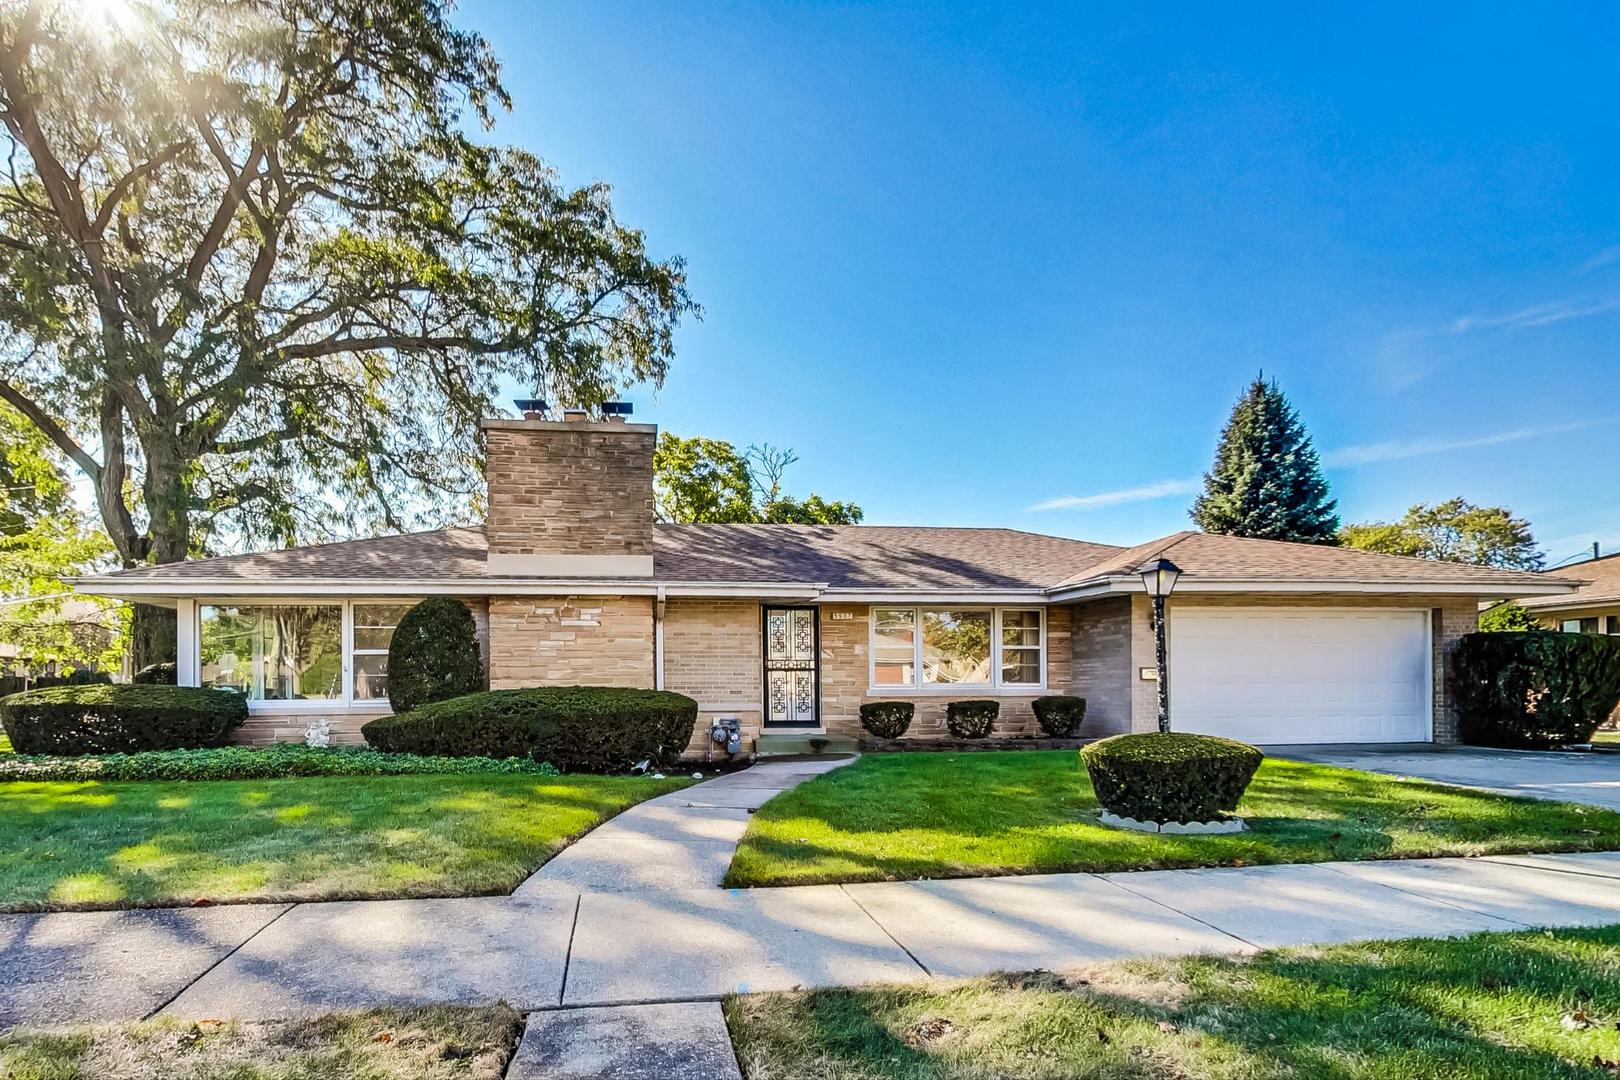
1594,606
790,628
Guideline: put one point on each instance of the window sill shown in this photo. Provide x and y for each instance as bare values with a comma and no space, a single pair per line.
955,691
297,708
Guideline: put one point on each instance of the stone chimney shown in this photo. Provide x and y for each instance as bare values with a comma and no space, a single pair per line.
570,498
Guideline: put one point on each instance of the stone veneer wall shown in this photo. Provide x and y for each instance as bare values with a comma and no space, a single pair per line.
570,641
845,675
712,654
569,488
262,729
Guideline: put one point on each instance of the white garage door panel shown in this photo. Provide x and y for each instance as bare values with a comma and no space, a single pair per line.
1301,674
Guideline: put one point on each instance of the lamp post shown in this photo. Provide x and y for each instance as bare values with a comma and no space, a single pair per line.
1159,579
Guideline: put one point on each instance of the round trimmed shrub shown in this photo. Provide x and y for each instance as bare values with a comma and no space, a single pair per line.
119,719
1059,715
972,719
165,674
433,655
1170,776
575,728
1534,689
887,719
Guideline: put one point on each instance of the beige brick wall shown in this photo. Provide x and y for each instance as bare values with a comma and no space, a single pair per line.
570,641
1101,657
845,678
569,488
712,654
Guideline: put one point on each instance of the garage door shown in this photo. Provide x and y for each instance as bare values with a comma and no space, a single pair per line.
1301,675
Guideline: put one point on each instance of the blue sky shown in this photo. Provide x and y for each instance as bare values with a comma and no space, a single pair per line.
985,266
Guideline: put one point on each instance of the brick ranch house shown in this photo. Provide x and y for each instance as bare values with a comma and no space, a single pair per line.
790,628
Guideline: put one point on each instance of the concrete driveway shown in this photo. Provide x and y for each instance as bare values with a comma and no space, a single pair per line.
1592,778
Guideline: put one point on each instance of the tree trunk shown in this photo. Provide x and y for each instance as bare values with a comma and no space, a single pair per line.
152,637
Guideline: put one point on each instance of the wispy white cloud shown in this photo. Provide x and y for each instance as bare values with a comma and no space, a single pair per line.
1607,257
1401,449
1345,457
1547,314
1163,489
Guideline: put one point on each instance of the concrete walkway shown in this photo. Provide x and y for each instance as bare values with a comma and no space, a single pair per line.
605,930
1571,776
683,840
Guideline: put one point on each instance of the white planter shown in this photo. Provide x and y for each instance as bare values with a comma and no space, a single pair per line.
1185,828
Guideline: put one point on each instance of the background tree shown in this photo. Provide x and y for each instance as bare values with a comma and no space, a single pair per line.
1452,531
43,540
1267,480
1507,616
708,480
262,284
700,479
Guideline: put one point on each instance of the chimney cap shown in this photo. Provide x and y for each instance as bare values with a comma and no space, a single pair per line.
531,406
616,410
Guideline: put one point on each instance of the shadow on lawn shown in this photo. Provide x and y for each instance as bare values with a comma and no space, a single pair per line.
1488,1006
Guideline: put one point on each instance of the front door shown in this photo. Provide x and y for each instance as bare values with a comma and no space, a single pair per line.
792,683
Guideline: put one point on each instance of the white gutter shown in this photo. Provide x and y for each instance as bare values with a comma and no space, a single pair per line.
287,586
1190,584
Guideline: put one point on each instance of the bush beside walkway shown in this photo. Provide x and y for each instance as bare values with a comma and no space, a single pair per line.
892,817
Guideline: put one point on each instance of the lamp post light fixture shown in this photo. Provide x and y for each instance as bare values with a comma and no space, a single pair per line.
1159,579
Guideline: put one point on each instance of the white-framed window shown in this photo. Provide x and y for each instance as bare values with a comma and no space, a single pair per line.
298,655
956,647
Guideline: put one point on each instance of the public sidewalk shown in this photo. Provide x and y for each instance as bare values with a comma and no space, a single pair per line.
613,923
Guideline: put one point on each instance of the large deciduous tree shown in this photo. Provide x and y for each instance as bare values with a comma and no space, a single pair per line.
44,539
1452,531
1267,480
262,282
710,480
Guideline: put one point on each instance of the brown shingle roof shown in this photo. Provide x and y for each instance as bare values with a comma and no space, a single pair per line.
851,557
842,556
1210,555
1602,585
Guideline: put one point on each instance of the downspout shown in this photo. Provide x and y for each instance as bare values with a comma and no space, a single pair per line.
658,640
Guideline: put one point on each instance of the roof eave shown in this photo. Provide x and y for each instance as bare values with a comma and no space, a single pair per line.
1128,583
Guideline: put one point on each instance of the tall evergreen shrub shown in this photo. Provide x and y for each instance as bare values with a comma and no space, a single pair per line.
433,655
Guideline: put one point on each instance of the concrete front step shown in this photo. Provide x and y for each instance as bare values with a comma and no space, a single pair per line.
683,1041
808,743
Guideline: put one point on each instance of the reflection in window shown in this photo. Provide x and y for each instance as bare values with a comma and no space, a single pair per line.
1021,647
280,652
956,646
373,631
894,646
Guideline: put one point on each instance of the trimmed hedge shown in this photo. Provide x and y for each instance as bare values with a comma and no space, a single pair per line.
1170,776
1534,689
16,684
164,674
972,719
103,719
575,728
888,719
433,655
251,763
1059,715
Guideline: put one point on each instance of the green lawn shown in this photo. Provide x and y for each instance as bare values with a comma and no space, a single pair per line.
1490,1007
440,1043
906,816
1606,738
90,845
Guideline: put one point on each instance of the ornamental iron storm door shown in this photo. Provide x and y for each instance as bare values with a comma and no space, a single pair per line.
792,686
